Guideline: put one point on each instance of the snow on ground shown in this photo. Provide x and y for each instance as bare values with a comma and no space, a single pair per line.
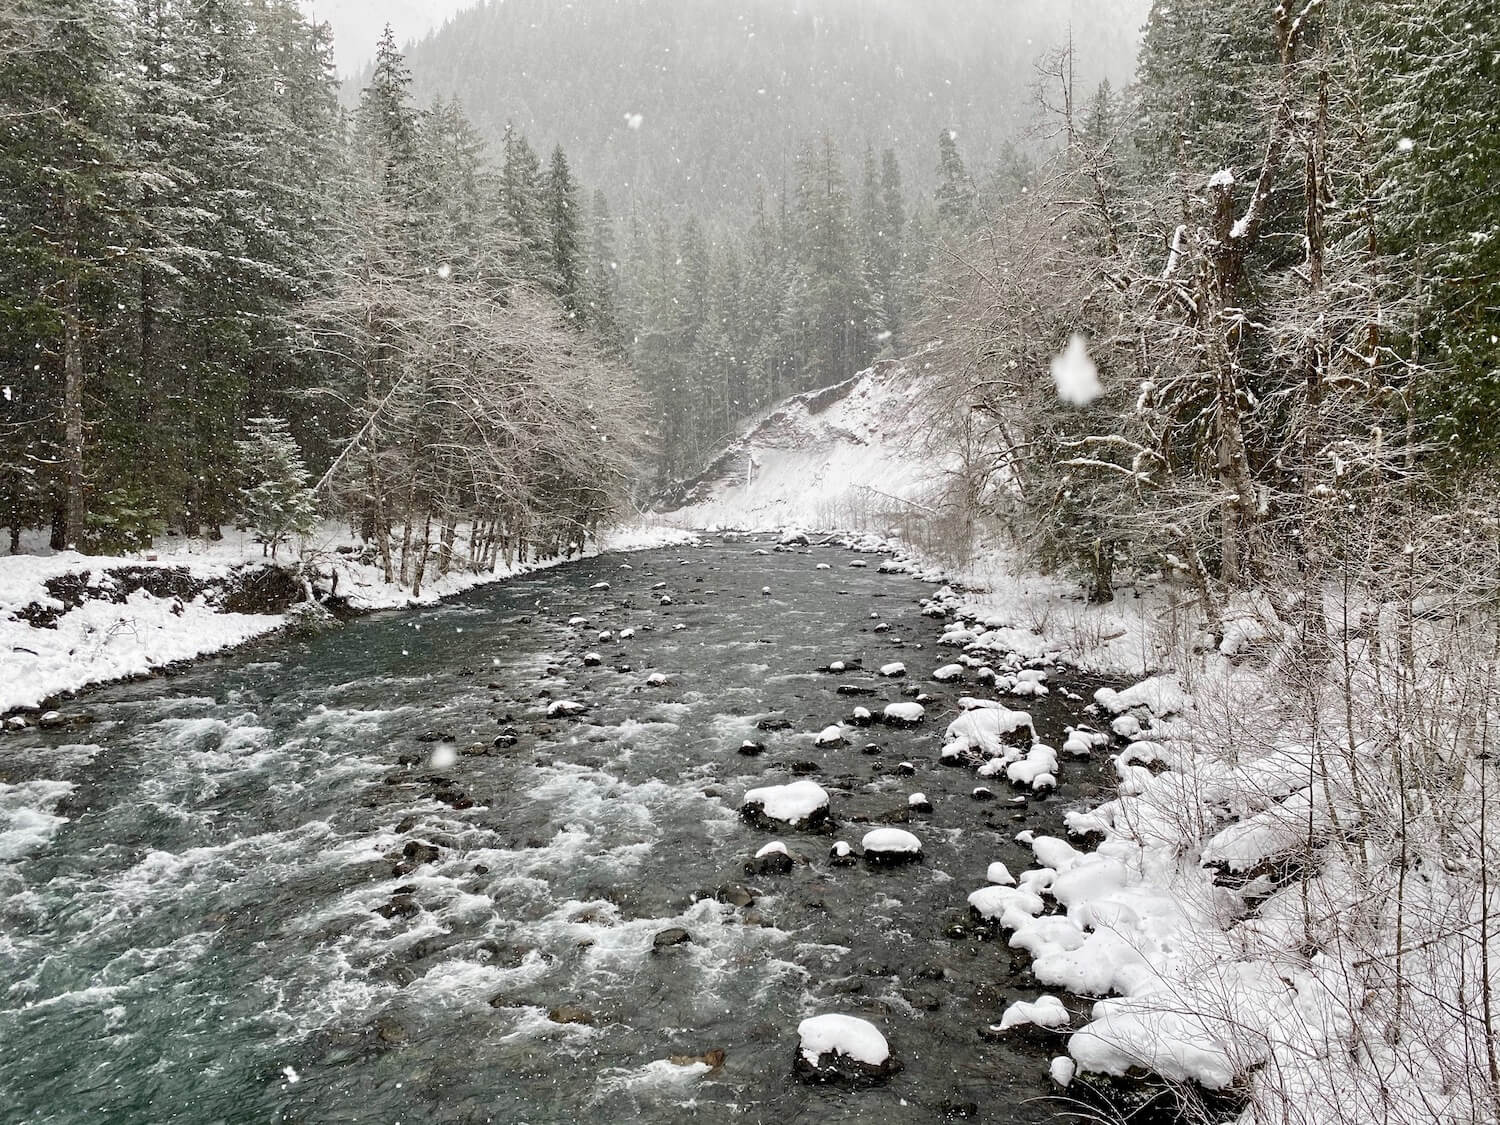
104,640
842,458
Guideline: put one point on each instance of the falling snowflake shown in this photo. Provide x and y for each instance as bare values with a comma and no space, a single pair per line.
1074,373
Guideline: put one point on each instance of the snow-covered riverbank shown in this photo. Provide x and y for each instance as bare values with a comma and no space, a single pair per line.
69,620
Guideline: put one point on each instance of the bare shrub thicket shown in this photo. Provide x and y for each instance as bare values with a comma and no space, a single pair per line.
471,405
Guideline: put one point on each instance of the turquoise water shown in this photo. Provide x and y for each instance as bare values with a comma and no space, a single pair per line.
245,894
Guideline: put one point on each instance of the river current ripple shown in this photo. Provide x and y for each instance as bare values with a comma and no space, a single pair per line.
245,893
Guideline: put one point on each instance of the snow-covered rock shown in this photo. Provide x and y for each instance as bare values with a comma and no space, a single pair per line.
1046,1012
904,714
893,670
563,708
1038,769
1000,875
891,845
840,1048
829,736
802,804
983,729
1010,906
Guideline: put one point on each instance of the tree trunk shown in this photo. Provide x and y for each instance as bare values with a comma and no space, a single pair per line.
73,506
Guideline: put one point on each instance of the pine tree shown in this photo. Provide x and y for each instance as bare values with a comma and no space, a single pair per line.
277,501
955,196
385,130
830,304
765,307
889,258
65,186
523,209
565,259
602,298
1200,64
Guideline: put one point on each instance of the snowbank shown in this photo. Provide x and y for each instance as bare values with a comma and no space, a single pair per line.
49,647
840,458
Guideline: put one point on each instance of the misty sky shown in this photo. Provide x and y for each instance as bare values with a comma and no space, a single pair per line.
358,23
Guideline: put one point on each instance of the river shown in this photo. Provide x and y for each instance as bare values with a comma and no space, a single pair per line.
245,893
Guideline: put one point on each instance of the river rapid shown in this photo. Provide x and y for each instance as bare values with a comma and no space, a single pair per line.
249,893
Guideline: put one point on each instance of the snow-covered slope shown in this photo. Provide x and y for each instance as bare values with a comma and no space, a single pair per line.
846,457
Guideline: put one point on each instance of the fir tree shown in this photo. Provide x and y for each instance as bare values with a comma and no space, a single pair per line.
1438,158
276,500
602,298
565,260
955,191
522,207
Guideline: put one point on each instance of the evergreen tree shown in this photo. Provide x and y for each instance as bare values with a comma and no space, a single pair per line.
385,129
888,262
276,501
65,186
522,207
765,307
1438,161
565,256
955,196
602,298
830,304
1200,63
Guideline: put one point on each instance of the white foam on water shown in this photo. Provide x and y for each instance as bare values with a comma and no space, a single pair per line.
458,984
28,820
532,1023
662,1075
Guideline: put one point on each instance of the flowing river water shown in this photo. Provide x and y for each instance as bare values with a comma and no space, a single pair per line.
244,893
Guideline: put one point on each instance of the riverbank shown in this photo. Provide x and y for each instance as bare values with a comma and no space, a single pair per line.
69,621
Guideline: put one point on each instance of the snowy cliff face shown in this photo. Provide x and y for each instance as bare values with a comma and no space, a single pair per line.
848,457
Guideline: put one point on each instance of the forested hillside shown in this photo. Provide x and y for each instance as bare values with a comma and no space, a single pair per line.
222,298
695,104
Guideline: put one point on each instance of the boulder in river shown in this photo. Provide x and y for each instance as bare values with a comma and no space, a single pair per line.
904,714
773,859
668,938
571,1013
801,804
891,846
842,1049
734,894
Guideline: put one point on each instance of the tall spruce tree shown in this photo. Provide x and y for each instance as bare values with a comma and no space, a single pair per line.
565,252
830,303
955,196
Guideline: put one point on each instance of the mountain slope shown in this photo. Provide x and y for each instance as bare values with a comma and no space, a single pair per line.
726,92
845,457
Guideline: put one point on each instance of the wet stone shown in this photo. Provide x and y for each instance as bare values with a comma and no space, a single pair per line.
772,863
734,894
668,938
